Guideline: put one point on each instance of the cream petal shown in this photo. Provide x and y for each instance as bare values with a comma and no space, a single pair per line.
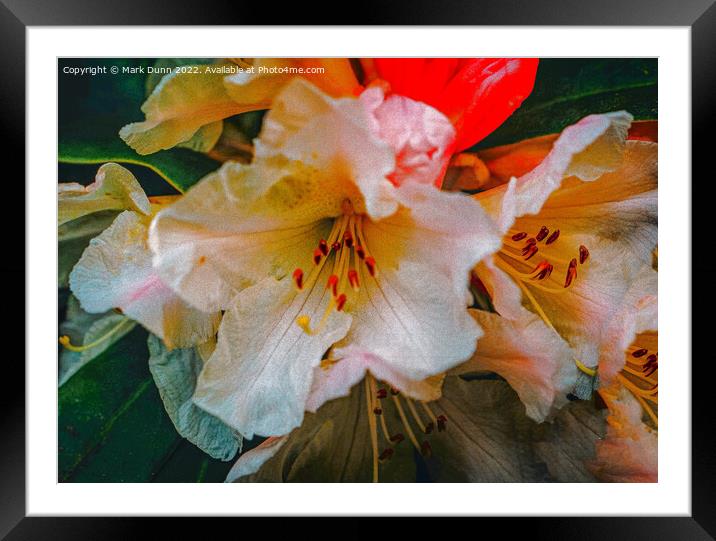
331,134
587,150
637,314
615,218
448,231
181,104
115,271
533,359
251,461
629,453
338,377
229,231
114,188
259,377
411,321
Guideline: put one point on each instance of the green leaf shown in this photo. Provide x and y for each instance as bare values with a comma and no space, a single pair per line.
113,427
92,111
567,90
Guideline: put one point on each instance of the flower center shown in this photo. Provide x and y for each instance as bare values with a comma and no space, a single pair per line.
640,374
376,402
348,251
518,248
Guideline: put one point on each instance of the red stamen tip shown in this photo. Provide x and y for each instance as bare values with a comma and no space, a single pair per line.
519,236
353,279
317,254
370,263
336,246
348,239
323,246
640,353
382,393
378,411
397,438
543,232
583,254
360,251
386,454
571,273
333,284
425,449
341,301
553,237
298,278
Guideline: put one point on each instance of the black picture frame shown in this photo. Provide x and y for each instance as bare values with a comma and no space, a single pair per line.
699,15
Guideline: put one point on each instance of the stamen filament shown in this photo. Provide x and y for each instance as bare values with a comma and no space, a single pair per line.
65,340
404,420
373,428
415,415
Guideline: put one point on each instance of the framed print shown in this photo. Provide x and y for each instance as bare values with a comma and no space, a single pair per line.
416,269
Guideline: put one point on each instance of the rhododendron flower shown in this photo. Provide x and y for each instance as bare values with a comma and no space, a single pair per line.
186,101
325,242
577,229
115,272
476,94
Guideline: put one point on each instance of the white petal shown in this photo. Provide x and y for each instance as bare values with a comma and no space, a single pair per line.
337,134
260,374
115,271
114,187
251,461
533,359
588,149
230,231
411,321
337,379
448,231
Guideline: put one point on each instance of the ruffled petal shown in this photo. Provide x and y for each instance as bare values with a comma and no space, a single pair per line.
606,230
334,136
261,81
586,150
175,374
230,231
115,271
409,321
251,461
180,105
421,137
533,359
336,379
638,314
448,231
114,188
629,453
259,377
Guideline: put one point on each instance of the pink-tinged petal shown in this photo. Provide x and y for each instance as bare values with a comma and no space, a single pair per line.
335,378
637,314
533,359
331,134
629,453
115,271
251,461
259,377
476,94
409,321
588,149
421,137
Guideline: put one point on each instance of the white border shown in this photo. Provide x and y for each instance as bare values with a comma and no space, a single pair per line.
670,496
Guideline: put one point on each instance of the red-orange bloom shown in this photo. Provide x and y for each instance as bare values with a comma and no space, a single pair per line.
476,94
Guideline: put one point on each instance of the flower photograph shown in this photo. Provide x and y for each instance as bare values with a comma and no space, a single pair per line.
362,270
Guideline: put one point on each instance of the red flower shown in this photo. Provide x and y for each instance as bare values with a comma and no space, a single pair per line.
476,94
